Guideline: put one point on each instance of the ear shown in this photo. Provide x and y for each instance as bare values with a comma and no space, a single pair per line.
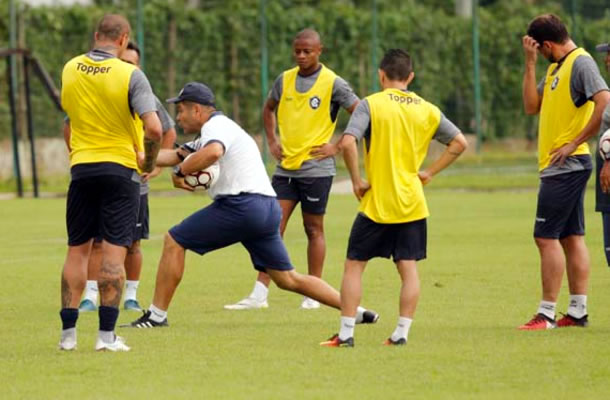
381,76
410,77
96,36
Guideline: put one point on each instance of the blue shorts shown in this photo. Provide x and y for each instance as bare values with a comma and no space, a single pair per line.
250,219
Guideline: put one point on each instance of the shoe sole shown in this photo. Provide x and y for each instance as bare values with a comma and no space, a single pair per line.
241,308
105,349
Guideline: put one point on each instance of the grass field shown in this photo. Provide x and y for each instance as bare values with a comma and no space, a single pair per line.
480,281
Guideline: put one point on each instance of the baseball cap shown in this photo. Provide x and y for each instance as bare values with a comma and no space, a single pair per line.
603,48
196,92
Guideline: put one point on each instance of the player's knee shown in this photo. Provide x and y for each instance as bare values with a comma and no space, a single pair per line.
313,229
544,243
170,244
285,281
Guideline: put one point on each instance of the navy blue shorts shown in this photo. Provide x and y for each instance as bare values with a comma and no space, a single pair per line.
560,211
104,205
369,239
142,229
311,192
602,200
251,219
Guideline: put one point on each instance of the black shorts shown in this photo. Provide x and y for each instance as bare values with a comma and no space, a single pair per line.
368,239
602,200
142,224
104,205
311,192
560,211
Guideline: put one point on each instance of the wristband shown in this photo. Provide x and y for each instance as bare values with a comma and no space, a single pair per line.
178,172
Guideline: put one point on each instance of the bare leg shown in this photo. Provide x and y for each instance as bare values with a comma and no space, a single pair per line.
351,287
95,261
74,275
409,290
169,274
552,265
133,262
111,276
307,285
316,245
578,264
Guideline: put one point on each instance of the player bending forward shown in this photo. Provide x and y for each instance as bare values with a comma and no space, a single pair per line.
244,209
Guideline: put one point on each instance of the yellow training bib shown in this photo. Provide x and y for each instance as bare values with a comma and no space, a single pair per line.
304,118
560,120
402,125
95,96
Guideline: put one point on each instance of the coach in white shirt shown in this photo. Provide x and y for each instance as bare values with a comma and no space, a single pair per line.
244,209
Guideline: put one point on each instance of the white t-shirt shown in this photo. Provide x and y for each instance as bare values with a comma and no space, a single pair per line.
241,167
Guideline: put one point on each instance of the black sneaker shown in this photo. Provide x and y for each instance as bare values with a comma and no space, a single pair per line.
569,320
400,342
334,341
369,317
145,322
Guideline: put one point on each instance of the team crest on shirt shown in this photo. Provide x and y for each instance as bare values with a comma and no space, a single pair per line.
555,83
314,102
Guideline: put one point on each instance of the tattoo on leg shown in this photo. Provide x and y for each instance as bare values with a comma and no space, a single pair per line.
66,293
110,283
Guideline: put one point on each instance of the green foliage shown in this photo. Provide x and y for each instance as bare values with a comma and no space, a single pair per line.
219,42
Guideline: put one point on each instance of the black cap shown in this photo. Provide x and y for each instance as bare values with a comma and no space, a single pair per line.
195,92
603,48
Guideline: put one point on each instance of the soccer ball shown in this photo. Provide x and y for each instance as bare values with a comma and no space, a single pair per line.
204,179
604,145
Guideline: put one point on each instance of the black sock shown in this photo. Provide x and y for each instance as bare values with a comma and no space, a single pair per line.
68,317
108,317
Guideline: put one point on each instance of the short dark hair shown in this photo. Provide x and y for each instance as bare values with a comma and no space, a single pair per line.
397,64
113,26
133,46
548,27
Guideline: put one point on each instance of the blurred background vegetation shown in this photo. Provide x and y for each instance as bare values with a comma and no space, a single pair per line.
219,42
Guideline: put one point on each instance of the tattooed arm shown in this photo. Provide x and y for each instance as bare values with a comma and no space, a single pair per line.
152,140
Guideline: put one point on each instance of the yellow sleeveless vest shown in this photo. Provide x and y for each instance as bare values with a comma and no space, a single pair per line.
95,96
560,120
402,126
304,118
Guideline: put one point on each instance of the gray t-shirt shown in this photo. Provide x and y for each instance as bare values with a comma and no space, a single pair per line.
360,125
342,97
585,81
167,123
605,121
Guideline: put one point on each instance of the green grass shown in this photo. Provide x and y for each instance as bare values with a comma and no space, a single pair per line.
480,281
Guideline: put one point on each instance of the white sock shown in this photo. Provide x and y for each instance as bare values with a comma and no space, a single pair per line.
106,336
347,328
66,333
131,290
402,329
91,291
578,305
547,308
157,314
260,291
360,314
